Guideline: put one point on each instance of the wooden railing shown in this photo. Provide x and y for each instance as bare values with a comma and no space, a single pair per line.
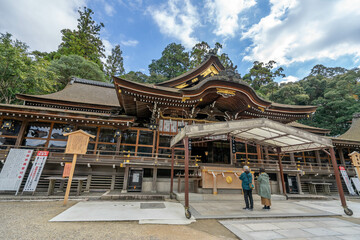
111,158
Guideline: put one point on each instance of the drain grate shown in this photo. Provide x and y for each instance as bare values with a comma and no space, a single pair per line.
151,205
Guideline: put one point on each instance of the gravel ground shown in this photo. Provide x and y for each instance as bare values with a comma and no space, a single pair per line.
29,220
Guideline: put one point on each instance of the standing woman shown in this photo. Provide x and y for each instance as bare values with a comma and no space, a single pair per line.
264,189
247,186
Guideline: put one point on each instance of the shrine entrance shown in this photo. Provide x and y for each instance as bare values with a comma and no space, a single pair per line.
214,152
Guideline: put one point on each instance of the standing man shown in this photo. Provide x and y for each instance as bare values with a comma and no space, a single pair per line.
247,186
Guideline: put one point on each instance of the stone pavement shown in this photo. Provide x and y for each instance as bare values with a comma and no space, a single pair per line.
300,228
234,209
144,212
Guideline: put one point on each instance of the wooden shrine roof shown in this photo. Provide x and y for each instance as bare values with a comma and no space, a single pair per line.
55,114
351,136
309,128
211,60
79,91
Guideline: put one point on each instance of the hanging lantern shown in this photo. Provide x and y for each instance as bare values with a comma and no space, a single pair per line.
67,129
7,124
117,133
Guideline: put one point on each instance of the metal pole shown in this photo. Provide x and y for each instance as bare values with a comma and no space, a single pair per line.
172,172
338,182
281,172
186,146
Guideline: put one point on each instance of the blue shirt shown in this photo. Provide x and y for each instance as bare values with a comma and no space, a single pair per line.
246,178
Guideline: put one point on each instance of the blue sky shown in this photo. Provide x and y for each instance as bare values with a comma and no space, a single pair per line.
296,34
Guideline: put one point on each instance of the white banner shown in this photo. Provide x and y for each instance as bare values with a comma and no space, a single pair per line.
347,180
36,170
14,169
356,182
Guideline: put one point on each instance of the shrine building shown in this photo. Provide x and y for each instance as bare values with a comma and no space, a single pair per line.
133,124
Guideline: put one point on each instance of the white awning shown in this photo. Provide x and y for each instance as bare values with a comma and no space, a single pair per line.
261,131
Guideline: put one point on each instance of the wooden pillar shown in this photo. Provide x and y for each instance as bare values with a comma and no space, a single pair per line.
172,172
258,151
338,179
21,133
154,180
88,183
281,171
267,154
118,144
292,158
317,156
341,155
186,146
126,177
298,180
113,178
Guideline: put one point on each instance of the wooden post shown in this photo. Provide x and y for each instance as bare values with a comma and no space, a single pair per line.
338,179
154,180
318,159
186,146
126,177
172,172
21,133
281,171
70,179
341,155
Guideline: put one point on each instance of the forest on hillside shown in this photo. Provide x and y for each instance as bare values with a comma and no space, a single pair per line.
81,53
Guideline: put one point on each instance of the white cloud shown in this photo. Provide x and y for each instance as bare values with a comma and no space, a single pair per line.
289,79
177,19
226,14
298,31
109,9
38,23
108,47
130,43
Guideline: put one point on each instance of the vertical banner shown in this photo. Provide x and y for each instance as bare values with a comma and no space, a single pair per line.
36,170
347,180
14,169
233,143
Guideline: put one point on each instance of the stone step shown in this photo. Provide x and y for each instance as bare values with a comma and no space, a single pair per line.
112,195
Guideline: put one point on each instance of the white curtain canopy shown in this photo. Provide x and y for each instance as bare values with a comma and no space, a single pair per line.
261,131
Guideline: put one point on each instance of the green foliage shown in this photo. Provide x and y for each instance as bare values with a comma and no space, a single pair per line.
136,77
143,78
290,93
114,63
74,65
202,49
19,73
173,62
262,74
85,40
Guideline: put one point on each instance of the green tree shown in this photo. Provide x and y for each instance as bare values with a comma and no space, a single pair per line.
202,49
85,40
77,66
19,73
290,93
114,63
262,73
14,64
136,77
173,62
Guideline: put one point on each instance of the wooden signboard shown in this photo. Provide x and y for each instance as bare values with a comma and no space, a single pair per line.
77,144
355,159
